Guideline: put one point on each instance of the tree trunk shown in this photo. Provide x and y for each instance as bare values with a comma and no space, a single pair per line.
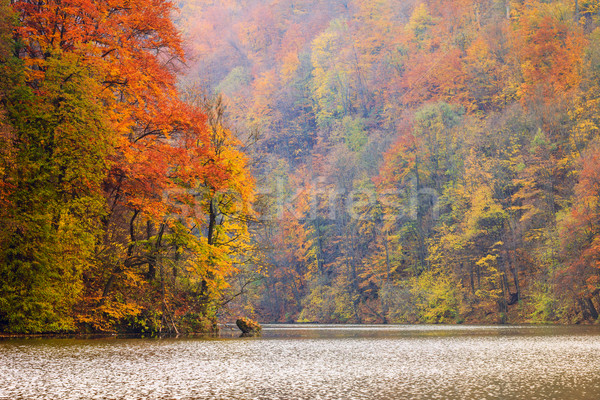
118,268
502,304
387,258
472,273
515,276
151,274
421,250
592,309
212,221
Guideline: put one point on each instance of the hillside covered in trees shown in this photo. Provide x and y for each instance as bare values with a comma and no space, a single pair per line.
418,161
164,165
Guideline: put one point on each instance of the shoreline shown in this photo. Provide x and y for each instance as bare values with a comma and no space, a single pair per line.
227,330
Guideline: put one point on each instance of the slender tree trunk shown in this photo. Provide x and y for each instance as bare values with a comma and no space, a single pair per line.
472,280
203,296
592,309
515,275
421,250
118,268
502,305
317,225
212,221
153,258
506,286
151,274
362,89
167,315
388,267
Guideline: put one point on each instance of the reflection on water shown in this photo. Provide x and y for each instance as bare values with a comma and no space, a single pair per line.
314,362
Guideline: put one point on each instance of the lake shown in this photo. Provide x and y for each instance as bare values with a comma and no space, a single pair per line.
314,362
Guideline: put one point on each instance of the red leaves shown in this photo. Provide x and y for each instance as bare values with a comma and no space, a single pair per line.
550,49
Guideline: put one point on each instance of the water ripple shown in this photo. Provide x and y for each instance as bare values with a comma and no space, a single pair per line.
313,363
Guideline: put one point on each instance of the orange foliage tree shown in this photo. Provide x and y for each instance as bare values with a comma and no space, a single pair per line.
96,114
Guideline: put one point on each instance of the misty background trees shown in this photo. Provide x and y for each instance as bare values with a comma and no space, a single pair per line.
419,161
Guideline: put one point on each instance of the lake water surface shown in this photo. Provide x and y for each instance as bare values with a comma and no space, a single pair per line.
314,362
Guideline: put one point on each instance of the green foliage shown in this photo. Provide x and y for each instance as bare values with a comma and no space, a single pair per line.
327,304
55,175
355,135
420,21
398,300
546,307
436,296
145,324
194,323
8,19
237,79
331,75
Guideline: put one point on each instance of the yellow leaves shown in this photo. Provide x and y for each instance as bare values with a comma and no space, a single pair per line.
486,74
290,64
436,295
291,45
482,204
420,21
102,318
119,311
262,108
476,172
488,262
333,73
589,7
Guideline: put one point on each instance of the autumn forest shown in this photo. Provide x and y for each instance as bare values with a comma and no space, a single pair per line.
169,165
